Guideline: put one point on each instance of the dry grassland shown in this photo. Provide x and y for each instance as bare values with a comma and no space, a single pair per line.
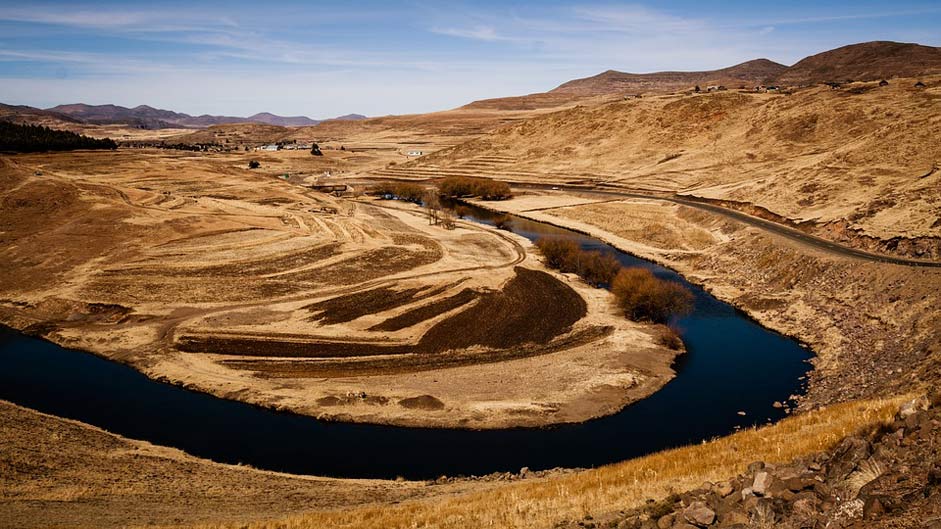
543,503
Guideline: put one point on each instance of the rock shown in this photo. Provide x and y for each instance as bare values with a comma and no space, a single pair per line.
804,507
698,513
724,489
913,406
684,525
846,457
666,521
742,413
777,404
761,483
756,466
733,518
873,508
524,472
799,484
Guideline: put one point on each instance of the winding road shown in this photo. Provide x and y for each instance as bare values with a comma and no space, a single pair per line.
779,229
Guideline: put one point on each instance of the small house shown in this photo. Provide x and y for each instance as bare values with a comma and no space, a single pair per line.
414,152
883,83
919,84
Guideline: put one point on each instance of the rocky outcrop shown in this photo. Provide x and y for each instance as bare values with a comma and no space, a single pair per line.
891,479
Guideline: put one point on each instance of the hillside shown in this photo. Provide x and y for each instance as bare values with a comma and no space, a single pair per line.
868,61
22,114
747,74
248,133
858,161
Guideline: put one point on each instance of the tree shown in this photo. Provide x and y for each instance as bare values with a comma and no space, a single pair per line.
447,219
315,150
645,297
432,205
253,164
36,138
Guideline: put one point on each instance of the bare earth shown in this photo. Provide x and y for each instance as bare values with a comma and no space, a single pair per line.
197,271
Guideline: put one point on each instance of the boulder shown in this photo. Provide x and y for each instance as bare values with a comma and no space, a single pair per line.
761,484
666,521
698,513
724,489
846,457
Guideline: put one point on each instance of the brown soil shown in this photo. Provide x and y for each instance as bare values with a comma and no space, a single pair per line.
342,309
427,312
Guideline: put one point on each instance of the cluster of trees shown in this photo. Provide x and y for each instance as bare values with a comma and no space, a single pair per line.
640,294
437,214
400,190
36,138
645,297
596,268
465,186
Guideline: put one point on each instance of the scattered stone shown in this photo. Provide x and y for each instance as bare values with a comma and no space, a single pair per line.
724,489
666,521
761,483
698,513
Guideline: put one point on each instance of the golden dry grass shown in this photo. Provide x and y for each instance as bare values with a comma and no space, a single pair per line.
540,504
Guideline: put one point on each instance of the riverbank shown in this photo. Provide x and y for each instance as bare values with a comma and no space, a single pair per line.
250,288
868,342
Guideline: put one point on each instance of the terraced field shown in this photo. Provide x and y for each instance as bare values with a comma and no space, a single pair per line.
198,271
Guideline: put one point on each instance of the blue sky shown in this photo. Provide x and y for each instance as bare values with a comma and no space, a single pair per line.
324,59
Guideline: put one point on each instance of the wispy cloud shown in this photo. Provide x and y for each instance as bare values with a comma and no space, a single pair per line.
400,56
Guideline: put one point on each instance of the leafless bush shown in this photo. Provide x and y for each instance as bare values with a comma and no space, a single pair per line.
644,297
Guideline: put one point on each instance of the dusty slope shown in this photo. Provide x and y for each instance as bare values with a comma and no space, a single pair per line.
867,61
60,473
855,162
748,74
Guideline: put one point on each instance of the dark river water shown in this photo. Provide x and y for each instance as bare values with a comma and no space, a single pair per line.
732,365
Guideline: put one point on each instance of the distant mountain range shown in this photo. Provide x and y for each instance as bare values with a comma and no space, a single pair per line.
147,117
868,61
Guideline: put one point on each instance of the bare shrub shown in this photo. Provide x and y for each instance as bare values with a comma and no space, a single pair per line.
644,297
566,256
464,186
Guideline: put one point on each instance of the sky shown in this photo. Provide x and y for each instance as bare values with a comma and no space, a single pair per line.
323,59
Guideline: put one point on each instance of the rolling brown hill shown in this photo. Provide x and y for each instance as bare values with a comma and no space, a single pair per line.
22,114
868,61
611,82
746,74
864,158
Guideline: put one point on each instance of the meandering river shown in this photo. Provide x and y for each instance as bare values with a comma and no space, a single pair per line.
733,372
